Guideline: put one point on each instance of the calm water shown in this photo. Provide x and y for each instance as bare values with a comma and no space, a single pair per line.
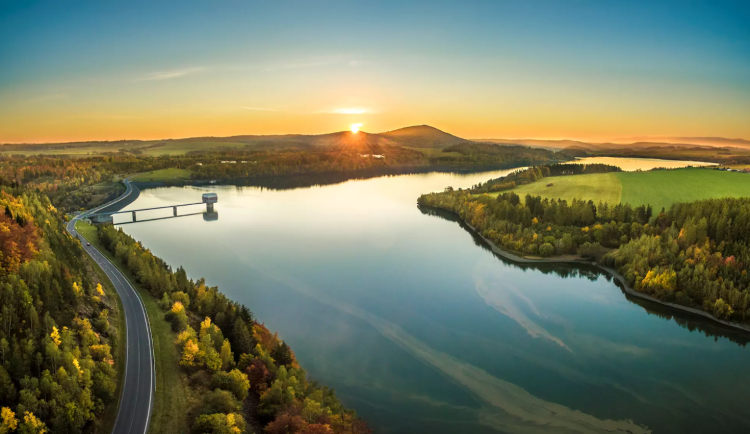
423,330
633,164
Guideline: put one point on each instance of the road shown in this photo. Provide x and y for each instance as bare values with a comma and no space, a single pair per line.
138,392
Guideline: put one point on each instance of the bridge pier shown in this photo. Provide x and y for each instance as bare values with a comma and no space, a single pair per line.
209,207
134,219
174,211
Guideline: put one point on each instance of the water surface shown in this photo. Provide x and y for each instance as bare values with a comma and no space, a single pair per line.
633,164
421,329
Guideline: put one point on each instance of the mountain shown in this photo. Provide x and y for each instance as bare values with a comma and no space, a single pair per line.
422,136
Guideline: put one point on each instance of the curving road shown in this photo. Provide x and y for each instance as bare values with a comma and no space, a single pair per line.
138,390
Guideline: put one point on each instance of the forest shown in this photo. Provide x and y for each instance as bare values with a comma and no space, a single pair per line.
694,254
58,373
536,173
236,364
478,153
65,178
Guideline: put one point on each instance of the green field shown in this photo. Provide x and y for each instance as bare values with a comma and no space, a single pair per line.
171,397
162,175
659,188
662,188
600,186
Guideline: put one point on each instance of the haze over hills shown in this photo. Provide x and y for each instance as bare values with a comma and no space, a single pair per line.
422,136
632,143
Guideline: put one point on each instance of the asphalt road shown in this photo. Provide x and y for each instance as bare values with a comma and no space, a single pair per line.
138,392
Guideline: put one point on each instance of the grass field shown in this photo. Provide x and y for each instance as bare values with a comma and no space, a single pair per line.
660,188
171,398
600,186
162,175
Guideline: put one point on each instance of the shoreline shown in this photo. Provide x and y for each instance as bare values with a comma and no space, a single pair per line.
305,180
619,278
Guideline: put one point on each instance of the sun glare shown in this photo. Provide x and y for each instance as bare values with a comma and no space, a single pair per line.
355,127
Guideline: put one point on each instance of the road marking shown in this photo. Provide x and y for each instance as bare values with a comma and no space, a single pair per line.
112,271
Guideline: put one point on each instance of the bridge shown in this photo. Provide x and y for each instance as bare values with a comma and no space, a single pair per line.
208,198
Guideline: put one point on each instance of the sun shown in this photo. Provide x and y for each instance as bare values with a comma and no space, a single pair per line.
355,127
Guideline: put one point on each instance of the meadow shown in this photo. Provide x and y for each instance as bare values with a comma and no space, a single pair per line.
659,188
162,175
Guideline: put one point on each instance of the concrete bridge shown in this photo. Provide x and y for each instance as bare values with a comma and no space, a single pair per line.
208,198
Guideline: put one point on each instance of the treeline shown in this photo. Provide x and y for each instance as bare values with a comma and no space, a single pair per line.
695,254
533,174
546,227
229,356
57,372
64,178
479,153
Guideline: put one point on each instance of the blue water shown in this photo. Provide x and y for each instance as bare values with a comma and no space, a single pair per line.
421,329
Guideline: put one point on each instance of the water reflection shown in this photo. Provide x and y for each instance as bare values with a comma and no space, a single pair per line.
575,270
290,182
422,332
153,219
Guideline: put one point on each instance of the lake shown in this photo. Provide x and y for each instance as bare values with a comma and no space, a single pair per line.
633,164
422,329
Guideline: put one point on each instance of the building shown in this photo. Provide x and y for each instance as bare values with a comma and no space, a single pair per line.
210,199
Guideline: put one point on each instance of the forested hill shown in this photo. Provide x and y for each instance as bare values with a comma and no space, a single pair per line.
57,371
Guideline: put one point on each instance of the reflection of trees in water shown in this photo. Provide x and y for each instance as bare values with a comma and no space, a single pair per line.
289,182
592,273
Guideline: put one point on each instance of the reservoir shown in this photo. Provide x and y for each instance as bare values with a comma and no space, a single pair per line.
422,329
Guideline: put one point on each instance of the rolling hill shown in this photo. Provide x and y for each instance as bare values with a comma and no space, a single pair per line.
422,136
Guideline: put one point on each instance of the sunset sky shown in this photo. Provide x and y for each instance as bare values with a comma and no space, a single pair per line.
593,70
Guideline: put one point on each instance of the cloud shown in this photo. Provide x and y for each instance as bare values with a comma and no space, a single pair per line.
507,299
504,406
166,75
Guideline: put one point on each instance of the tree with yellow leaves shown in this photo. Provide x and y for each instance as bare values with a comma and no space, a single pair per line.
55,335
189,353
9,421
32,425
227,357
177,316
99,289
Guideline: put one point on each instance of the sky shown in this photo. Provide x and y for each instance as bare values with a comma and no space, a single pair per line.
581,69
